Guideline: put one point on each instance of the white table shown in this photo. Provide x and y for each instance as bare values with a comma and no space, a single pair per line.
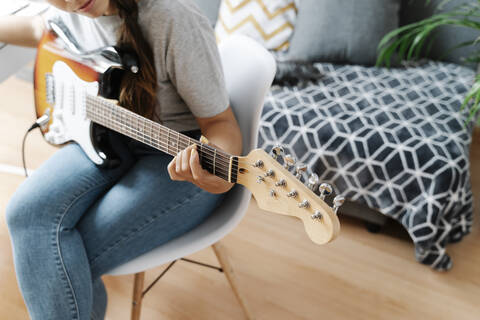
12,58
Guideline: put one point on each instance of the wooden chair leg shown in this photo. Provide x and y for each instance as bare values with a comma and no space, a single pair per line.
222,257
137,295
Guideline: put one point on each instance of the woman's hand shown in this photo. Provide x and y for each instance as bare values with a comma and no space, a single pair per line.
223,133
186,167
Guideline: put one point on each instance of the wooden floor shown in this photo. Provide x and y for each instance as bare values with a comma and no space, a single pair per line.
283,274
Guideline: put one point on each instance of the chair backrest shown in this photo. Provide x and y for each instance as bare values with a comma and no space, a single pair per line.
249,71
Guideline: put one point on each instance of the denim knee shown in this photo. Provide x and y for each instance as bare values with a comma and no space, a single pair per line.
26,208
16,214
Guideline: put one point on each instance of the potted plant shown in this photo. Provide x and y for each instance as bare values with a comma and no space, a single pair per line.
411,41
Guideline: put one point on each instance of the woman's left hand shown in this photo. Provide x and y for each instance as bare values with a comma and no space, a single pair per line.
186,167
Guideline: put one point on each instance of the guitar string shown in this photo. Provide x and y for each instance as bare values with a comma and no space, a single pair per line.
225,158
94,117
223,173
140,135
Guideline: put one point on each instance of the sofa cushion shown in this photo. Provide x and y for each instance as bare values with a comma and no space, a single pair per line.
394,140
270,22
342,30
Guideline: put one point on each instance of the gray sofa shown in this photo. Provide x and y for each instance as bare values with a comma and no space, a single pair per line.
392,141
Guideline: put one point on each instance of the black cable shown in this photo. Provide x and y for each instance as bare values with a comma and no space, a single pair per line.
35,125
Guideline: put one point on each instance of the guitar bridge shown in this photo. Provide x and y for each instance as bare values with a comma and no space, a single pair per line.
50,88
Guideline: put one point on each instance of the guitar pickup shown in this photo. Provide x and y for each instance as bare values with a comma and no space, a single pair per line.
50,88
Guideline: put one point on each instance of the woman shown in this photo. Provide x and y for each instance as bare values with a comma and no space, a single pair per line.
71,222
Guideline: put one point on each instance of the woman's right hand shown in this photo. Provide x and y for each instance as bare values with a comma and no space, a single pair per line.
21,31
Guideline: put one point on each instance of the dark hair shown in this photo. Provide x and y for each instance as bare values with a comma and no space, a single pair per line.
138,91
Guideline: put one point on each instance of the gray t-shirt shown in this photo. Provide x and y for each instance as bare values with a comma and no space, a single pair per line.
189,72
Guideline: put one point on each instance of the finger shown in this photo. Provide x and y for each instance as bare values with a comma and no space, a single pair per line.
178,163
197,171
185,161
172,171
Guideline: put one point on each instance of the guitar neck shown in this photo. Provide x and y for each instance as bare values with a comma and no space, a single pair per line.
126,122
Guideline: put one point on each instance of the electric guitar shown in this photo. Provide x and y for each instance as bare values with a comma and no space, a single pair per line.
73,101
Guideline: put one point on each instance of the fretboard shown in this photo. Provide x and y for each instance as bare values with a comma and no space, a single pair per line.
124,121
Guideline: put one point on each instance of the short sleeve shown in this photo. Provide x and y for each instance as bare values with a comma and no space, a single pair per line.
194,66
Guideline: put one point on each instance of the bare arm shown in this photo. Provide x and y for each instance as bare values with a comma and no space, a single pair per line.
224,133
21,31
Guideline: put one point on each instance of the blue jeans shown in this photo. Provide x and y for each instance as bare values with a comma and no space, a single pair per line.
71,222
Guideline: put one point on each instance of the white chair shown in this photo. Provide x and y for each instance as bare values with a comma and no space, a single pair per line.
249,70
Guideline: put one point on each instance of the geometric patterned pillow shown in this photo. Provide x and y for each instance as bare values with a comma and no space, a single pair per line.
270,22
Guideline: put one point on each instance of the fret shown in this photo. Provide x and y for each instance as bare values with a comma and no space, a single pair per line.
106,116
178,140
143,130
133,124
161,139
151,133
182,143
118,120
128,126
168,142
214,159
114,117
111,115
123,122
136,127
139,130
156,135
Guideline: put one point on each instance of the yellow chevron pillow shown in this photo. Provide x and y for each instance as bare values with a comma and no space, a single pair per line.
270,22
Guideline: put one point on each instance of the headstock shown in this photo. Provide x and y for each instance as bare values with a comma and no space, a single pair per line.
277,190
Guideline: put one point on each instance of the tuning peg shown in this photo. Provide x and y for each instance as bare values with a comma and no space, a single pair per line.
337,202
325,189
292,194
269,173
260,179
281,183
289,161
277,151
304,204
258,164
312,181
317,215
300,168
